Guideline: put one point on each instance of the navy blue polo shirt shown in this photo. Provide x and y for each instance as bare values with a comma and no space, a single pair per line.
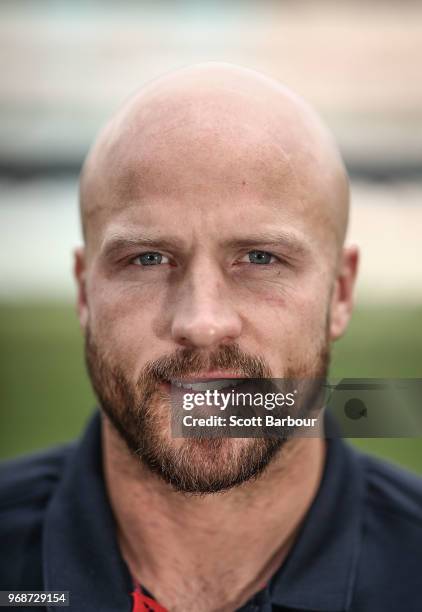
359,548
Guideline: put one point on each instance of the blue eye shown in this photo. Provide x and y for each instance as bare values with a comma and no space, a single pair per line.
260,257
150,259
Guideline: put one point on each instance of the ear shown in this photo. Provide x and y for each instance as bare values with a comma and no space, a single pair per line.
342,298
79,271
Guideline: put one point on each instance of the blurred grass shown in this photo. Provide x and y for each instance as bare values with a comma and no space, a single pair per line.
46,397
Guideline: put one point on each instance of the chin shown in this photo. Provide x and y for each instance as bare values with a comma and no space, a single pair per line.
203,466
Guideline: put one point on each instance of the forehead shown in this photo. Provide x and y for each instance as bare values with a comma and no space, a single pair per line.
192,145
185,168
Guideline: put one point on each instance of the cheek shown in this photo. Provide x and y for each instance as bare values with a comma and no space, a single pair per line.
290,325
121,320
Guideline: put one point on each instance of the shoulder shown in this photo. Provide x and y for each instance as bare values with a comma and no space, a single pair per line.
26,486
31,477
390,559
393,492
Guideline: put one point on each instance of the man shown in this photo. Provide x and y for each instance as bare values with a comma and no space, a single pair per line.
214,208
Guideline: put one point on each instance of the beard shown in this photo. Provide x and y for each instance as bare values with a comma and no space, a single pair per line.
140,411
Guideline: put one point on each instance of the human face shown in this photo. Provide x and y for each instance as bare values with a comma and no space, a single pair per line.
220,265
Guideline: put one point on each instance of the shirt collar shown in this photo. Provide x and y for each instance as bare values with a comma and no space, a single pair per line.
81,553
320,571
80,549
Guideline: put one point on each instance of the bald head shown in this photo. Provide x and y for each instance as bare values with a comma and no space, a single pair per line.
216,128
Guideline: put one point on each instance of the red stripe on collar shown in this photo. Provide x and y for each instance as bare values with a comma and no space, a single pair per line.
142,603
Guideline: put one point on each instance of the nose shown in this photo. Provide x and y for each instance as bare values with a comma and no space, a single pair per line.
205,315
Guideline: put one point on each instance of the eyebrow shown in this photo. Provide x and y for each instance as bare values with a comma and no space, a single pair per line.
289,242
116,244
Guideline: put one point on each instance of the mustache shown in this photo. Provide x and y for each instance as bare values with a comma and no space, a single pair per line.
188,362
110,380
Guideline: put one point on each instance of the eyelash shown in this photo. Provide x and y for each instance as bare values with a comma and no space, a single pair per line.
133,260
272,256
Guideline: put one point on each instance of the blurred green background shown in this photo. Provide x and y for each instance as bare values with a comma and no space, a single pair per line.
47,397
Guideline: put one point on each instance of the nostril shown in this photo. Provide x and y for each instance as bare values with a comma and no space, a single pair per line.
202,324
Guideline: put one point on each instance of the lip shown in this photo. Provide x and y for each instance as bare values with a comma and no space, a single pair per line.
199,383
177,384
215,384
209,376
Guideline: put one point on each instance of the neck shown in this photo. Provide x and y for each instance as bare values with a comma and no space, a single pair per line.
228,543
